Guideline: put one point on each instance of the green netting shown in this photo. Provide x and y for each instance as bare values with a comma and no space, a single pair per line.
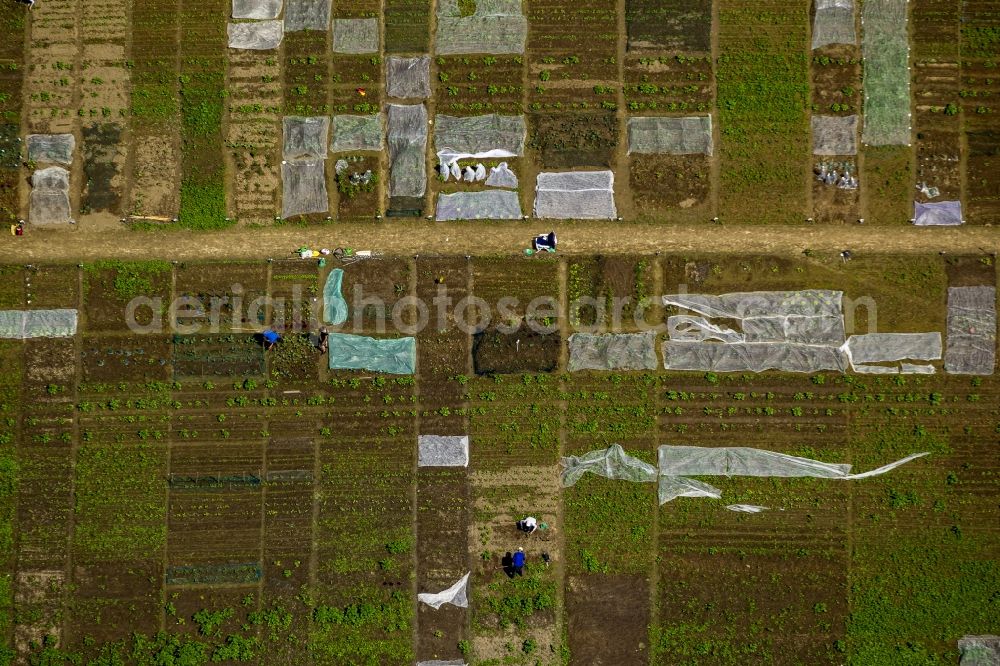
334,305
886,73
396,356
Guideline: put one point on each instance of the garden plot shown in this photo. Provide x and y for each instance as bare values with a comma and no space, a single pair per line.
979,51
762,97
294,292
936,84
291,510
306,79
574,75
365,500
110,286
255,96
887,176
516,620
10,408
678,84
204,54
287,538
214,526
443,347
521,281
357,85
105,89
407,27
611,293
514,421
374,290
353,73
678,25
904,510
11,84
474,85
442,556
52,84
218,356
608,585
233,295
104,154
155,140
836,100
111,595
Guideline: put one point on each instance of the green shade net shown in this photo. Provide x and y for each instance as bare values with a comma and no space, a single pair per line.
334,305
396,356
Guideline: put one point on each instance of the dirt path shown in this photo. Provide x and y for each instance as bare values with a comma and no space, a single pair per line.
421,237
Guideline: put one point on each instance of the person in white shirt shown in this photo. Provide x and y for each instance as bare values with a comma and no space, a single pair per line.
528,525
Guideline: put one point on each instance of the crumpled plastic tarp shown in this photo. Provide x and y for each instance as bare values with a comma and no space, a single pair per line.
456,595
611,463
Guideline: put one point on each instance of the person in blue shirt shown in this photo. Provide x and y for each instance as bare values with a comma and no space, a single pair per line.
272,338
518,563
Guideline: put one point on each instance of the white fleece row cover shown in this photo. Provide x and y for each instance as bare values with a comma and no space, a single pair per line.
677,463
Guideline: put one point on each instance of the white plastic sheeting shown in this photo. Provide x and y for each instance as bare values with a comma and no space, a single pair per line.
792,331
456,595
496,26
752,357
580,195
407,138
303,188
746,508
673,136
256,9
676,486
835,135
483,205
502,176
358,35
256,35
834,23
611,463
56,148
979,650
442,451
48,203
821,330
937,214
307,15
305,138
676,464
24,324
972,330
685,461
478,137
885,49
612,351
748,304
888,347
352,133
408,78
